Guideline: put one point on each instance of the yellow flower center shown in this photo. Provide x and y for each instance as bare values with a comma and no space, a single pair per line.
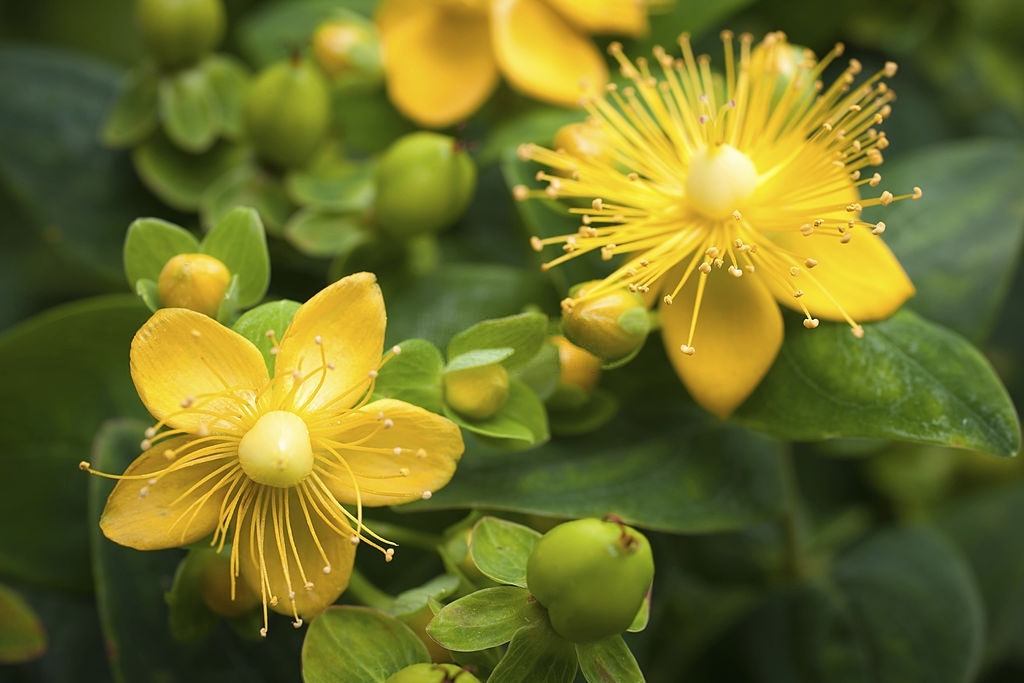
276,451
721,178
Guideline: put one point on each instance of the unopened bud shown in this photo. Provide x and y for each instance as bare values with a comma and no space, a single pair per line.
432,673
478,392
612,325
194,281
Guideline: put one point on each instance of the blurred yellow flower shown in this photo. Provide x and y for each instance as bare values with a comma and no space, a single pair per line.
267,464
443,58
728,193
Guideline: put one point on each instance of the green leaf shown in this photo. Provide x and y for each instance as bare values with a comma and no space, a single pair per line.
521,422
413,600
523,333
134,114
134,614
247,186
239,242
149,293
321,233
65,372
500,549
902,606
608,661
593,413
484,619
189,110
179,178
229,83
150,244
337,188
22,637
906,379
536,654
681,474
414,376
188,617
478,358
961,242
273,317
358,645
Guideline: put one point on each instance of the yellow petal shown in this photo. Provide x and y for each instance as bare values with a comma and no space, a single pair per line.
348,319
739,332
428,448
625,17
275,549
542,55
183,357
862,275
391,13
439,64
153,515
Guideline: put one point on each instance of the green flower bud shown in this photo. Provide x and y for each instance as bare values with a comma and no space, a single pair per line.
180,32
612,324
592,576
477,393
432,673
348,48
194,281
424,183
215,587
288,113
577,367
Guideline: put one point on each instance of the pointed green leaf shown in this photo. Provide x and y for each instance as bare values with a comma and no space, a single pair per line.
411,601
348,188
22,637
960,243
608,661
536,654
229,83
179,178
149,293
358,645
134,114
189,618
247,185
906,379
150,244
500,549
321,233
239,242
478,358
521,422
189,110
484,619
266,324
414,376
523,333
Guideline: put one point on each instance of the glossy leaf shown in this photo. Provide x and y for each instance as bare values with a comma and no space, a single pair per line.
414,376
179,178
246,186
65,372
229,82
608,660
523,333
150,244
536,654
960,243
348,188
478,358
413,600
240,243
484,619
189,110
500,549
358,645
320,233
906,379
22,636
265,325
133,116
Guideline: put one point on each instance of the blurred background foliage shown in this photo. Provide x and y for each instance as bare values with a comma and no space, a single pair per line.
902,561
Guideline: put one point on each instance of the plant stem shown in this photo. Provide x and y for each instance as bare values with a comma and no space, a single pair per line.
791,522
405,536
360,588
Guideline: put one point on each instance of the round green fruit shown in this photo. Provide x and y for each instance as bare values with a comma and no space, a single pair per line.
179,32
592,576
288,113
432,673
424,183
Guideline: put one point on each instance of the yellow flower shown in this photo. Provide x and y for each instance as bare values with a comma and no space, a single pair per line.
443,58
266,464
729,193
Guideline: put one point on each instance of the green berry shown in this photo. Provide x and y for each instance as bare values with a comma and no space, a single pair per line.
592,576
424,183
288,113
432,673
179,32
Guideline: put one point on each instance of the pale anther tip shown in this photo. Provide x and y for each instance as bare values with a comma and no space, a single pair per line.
811,323
687,349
